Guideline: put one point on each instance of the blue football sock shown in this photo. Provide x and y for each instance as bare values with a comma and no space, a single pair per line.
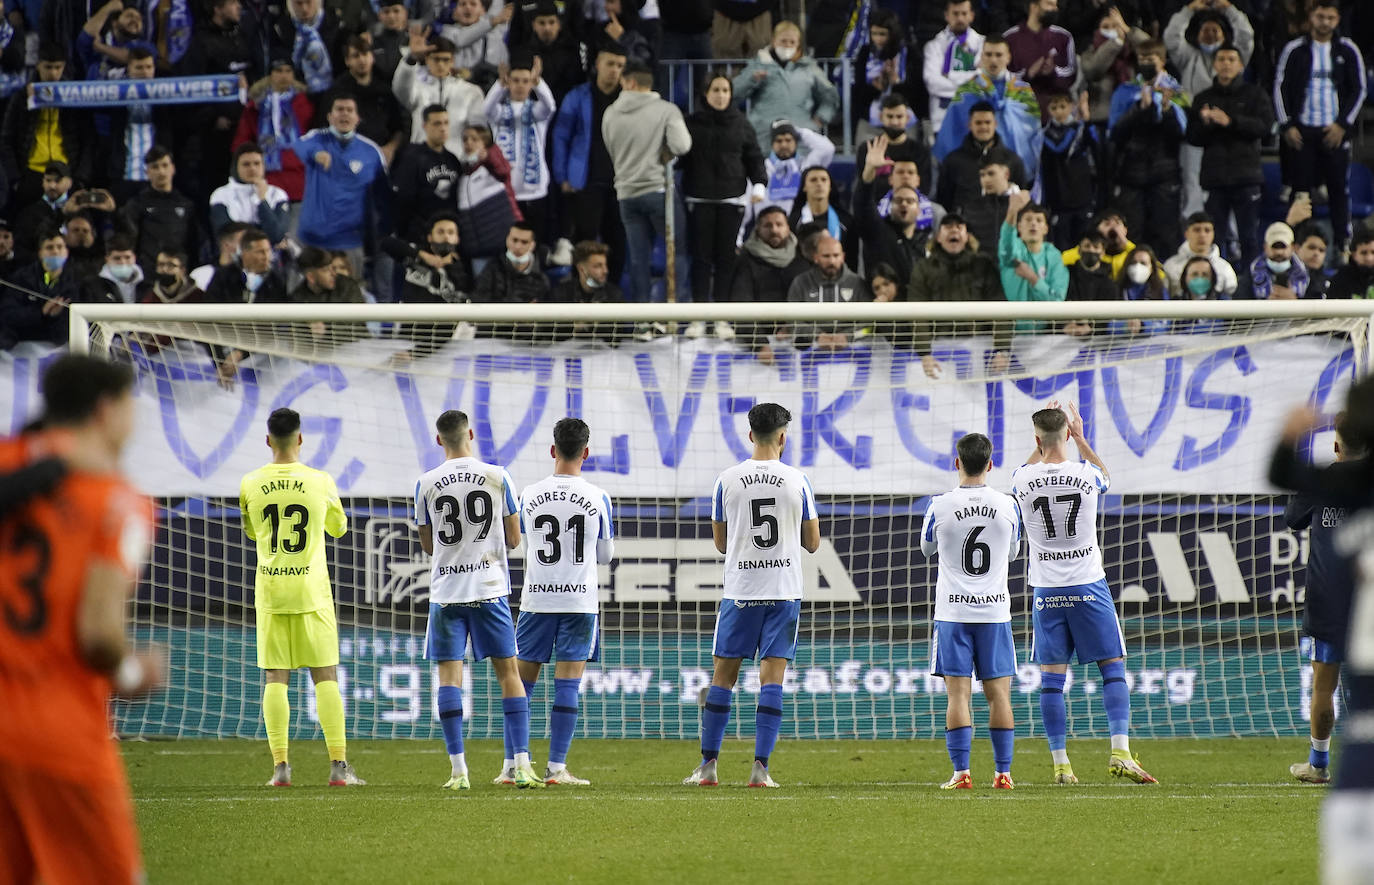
714,717
959,741
1320,757
1002,741
768,720
516,724
1116,697
451,717
563,718
1053,715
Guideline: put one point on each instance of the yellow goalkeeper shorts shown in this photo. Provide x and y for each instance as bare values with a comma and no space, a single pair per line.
307,639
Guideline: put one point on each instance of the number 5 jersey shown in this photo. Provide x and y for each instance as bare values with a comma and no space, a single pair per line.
763,505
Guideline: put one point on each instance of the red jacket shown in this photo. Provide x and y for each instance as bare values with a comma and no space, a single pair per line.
291,176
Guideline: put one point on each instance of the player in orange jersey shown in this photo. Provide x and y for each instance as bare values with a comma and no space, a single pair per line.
69,558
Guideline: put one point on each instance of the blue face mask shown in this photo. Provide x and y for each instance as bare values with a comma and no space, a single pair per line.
54,263
253,280
341,136
122,272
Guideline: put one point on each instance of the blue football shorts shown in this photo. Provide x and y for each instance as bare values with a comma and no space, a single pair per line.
757,628
486,627
567,636
1075,620
959,649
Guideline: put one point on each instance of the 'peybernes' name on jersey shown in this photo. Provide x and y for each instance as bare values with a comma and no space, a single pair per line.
1061,479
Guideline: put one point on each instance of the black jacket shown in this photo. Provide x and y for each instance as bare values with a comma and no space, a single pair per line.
984,215
19,131
913,149
757,280
1231,154
379,113
216,50
21,314
1086,285
161,221
1068,167
564,63
967,276
959,171
1351,281
34,219
451,284
229,286
725,156
1295,72
1146,142
500,283
570,291
883,239
425,181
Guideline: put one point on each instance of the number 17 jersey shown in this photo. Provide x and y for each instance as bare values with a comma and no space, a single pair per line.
1059,508
763,505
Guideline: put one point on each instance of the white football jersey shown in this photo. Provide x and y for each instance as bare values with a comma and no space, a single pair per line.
763,505
568,531
977,533
465,501
1059,509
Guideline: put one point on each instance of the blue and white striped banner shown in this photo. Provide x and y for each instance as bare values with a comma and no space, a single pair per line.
115,93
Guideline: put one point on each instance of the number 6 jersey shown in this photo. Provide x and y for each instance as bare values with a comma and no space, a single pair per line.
1059,509
464,501
977,533
567,526
763,505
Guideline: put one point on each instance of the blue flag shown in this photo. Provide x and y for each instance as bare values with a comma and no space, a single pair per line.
117,93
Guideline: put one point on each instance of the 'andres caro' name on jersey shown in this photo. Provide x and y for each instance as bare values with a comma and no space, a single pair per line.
1061,479
745,564
750,479
562,495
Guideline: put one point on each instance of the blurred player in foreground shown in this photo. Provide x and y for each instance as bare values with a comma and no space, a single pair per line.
70,556
763,514
1073,611
1347,820
467,517
977,532
287,508
567,523
1326,608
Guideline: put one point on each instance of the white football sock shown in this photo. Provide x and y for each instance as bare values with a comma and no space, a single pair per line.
1061,757
522,760
459,763
1121,743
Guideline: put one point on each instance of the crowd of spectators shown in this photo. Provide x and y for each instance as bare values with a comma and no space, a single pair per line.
517,152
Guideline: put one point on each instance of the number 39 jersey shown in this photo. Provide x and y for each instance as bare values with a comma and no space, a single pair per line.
977,533
567,525
1059,507
464,501
763,505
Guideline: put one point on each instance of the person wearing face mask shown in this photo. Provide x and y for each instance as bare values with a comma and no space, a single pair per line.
1111,224
1108,61
896,121
1090,279
721,173
1275,274
516,277
34,307
590,283
347,193
1192,36
783,83
1200,242
171,285
435,273
486,200
250,279
1141,279
119,279
1042,52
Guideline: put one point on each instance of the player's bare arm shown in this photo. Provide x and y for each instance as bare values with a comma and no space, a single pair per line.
427,537
810,536
512,524
100,632
718,535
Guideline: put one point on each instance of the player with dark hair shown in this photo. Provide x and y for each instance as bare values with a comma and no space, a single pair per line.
763,513
287,508
979,531
568,524
69,558
1073,610
467,517
1326,608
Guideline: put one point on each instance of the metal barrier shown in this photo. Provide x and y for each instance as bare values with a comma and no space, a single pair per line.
680,77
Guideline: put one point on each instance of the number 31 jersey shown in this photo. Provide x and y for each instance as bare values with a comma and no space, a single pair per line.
763,505
1059,508
565,520
464,501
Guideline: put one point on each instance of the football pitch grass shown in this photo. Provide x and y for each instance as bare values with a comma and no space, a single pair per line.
853,811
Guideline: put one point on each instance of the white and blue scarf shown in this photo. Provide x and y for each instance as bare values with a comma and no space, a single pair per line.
9,81
925,216
178,26
523,143
311,57
277,127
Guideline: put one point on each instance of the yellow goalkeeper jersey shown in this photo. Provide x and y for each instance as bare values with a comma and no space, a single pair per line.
286,509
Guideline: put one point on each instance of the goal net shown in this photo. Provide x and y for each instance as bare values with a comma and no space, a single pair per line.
1182,400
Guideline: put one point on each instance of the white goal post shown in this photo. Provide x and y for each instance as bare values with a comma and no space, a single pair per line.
1183,406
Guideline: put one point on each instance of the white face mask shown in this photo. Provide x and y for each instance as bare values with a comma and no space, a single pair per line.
1110,34
254,280
469,159
517,260
785,52
1138,273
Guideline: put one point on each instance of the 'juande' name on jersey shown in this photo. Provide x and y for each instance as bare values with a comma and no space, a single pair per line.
563,519
1059,508
977,532
465,500
763,505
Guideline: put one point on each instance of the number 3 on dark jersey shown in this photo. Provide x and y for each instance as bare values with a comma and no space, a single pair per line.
28,542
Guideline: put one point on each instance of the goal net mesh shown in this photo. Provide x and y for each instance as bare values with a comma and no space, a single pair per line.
1207,578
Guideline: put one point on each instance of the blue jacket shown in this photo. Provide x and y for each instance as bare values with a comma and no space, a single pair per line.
347,204
572,137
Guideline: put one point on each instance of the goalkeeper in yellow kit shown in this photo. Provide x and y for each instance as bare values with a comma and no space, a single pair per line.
286,508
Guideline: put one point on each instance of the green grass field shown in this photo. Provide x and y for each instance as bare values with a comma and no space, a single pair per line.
860,811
